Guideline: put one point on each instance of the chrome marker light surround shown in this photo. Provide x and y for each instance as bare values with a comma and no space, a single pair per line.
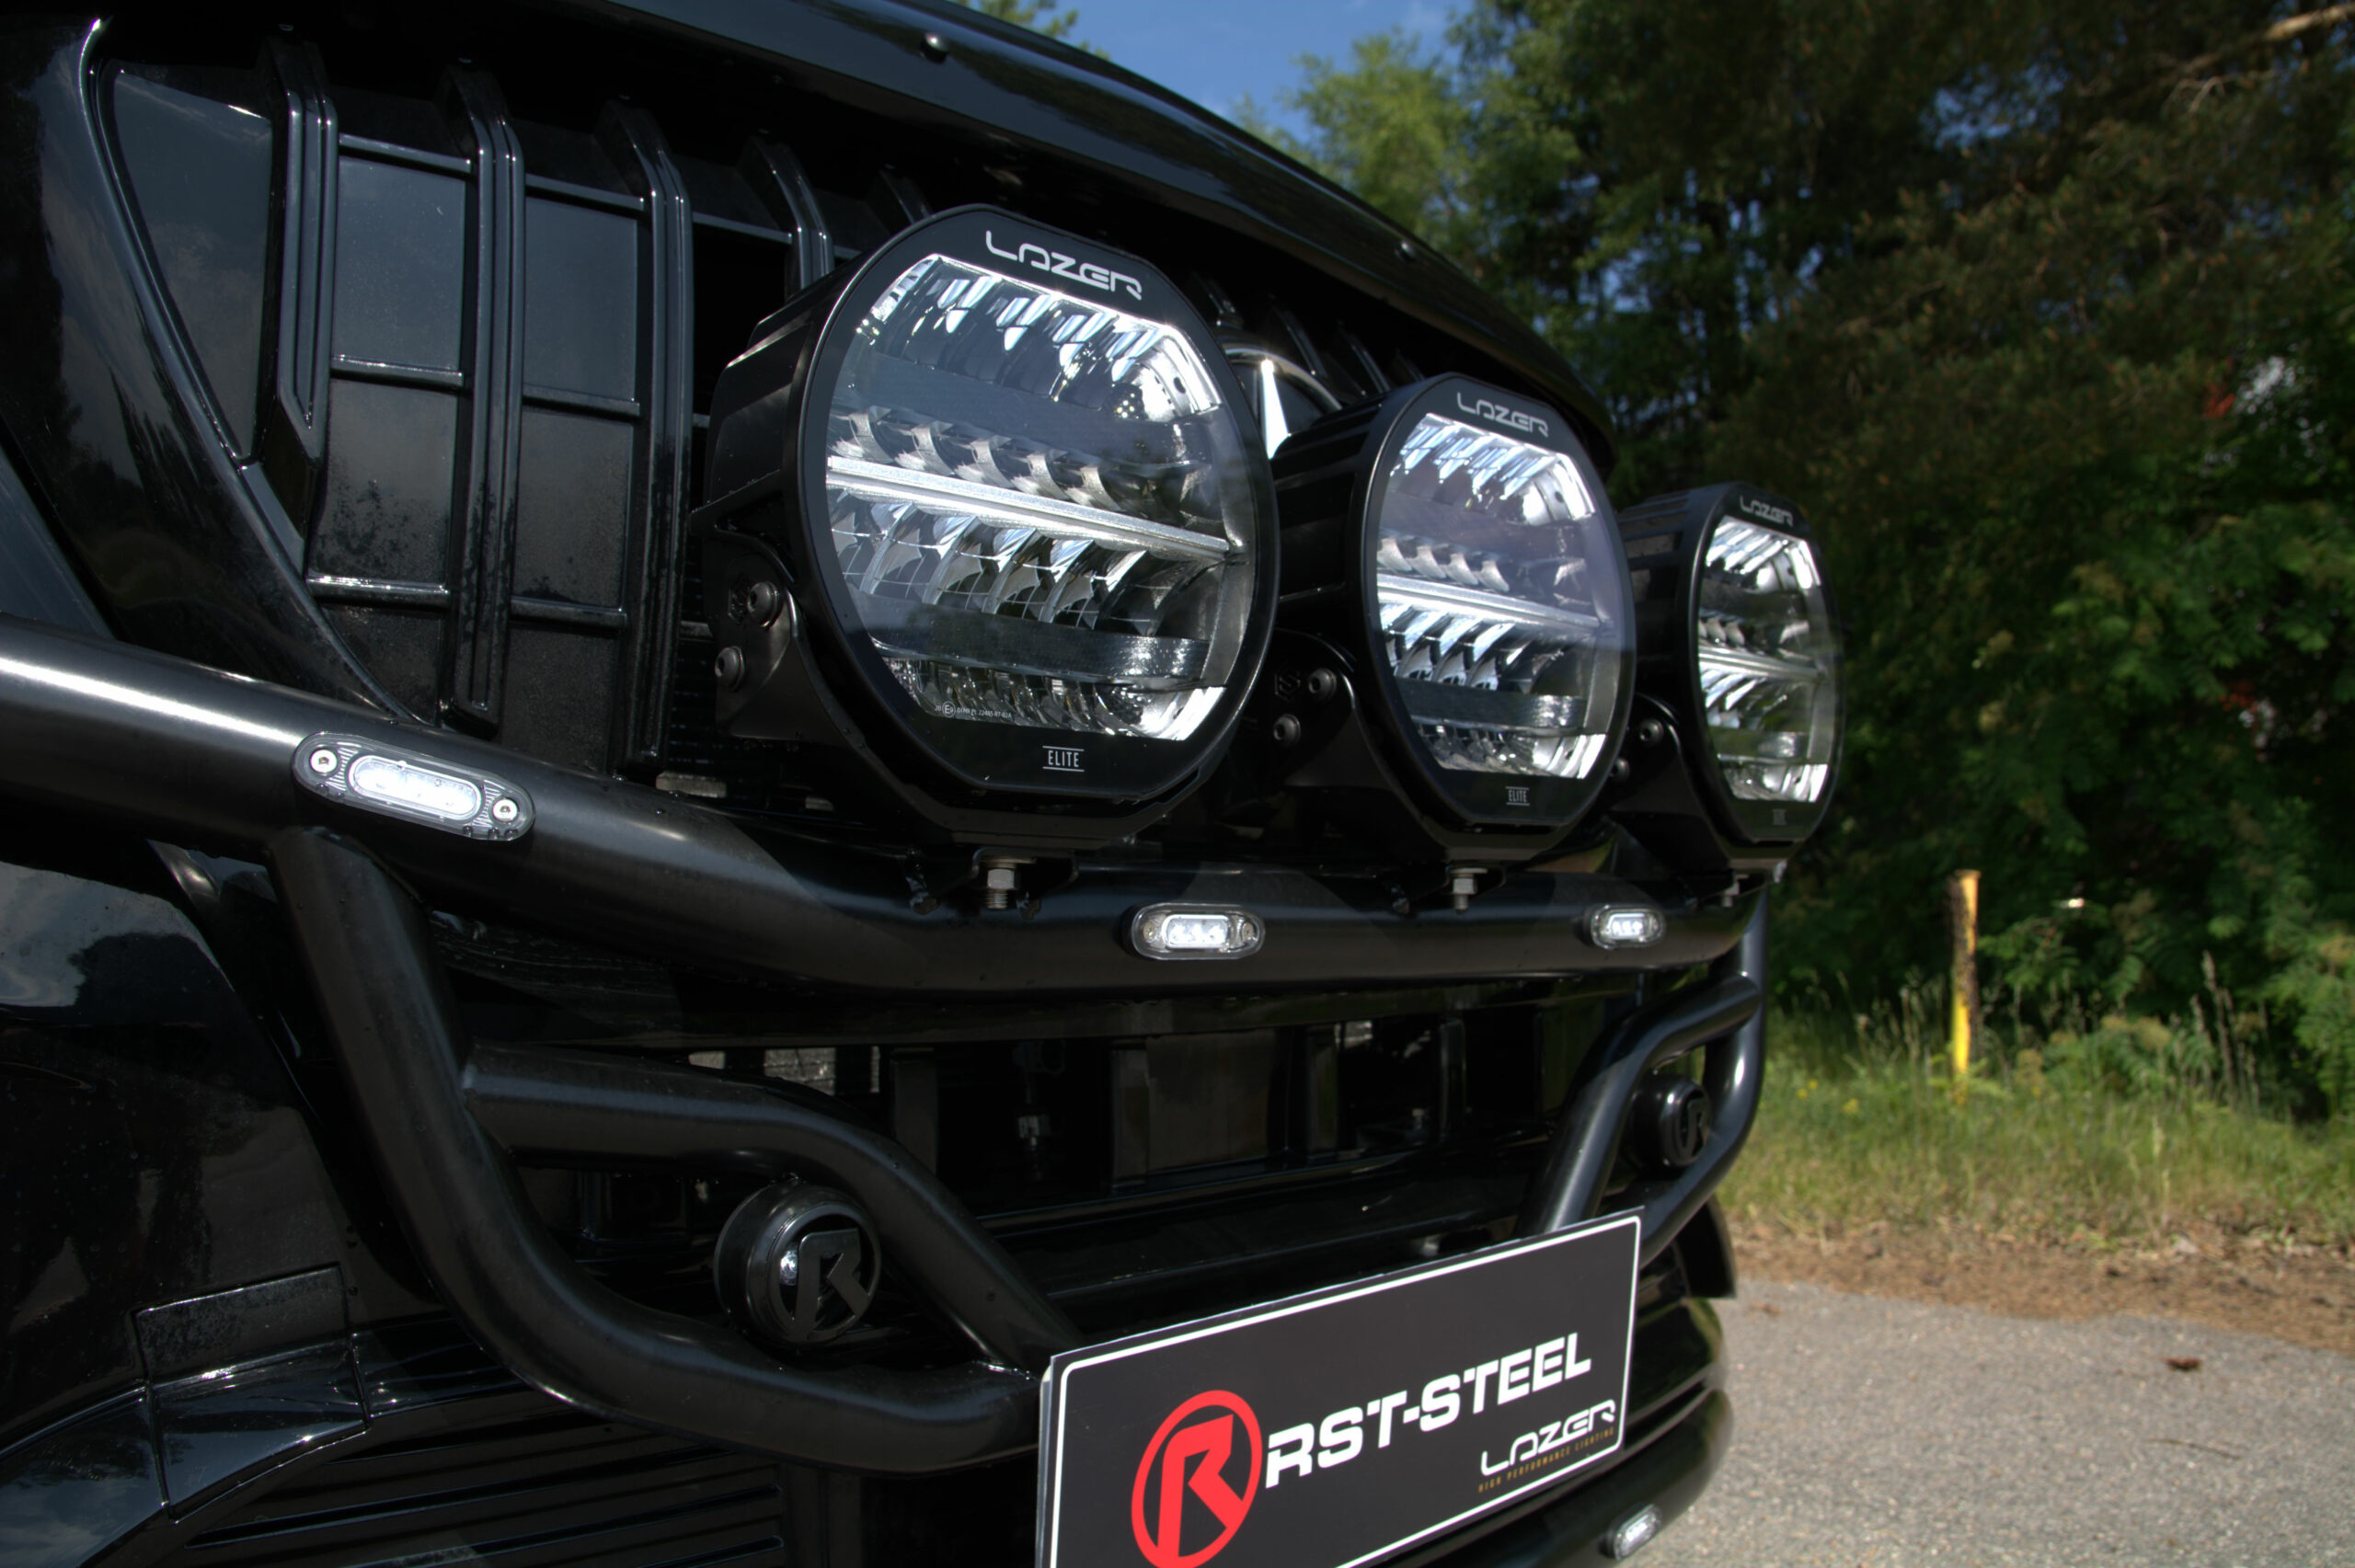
1491,575
1036,534
1185,931
394,781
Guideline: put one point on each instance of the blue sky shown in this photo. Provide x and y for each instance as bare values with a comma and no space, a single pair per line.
1217,52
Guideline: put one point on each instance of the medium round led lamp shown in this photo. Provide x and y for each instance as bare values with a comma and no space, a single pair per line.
1480,561
1741,638
1029,531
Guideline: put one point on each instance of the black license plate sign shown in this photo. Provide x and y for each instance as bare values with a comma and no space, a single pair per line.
1339,1427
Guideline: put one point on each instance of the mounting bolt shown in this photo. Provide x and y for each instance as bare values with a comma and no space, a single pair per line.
1650,732
728,668
1286,730
504,809
1620,768
1463,881
936,48
1322,684
999,882
323,761
762,601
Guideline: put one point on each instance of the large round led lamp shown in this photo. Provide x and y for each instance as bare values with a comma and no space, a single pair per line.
1027,537
1456,542
1740,647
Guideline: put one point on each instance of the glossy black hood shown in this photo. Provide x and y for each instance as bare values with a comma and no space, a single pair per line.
987,81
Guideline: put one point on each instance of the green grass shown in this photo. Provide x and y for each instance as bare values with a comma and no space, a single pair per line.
1849,1135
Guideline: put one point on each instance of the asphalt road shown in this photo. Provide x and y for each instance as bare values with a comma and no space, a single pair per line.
1889,1434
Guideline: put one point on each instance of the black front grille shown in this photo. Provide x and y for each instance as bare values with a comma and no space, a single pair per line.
536,1492
462,321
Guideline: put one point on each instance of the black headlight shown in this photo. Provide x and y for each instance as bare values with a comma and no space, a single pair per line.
1026,528
1455,544
1741,651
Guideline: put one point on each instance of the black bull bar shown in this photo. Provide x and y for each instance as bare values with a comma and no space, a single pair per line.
173,749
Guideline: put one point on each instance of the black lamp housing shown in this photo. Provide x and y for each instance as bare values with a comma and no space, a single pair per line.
800,657
1348,725
1675,793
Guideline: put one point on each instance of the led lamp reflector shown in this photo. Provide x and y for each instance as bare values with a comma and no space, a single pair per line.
1187,930
1767,662
395,783
1035,505
1506,644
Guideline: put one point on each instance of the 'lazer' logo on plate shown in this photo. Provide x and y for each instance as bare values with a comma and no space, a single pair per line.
1031,253
1207,1451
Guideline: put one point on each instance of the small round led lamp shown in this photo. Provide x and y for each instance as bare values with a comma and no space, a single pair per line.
1021,511
1624,925
1740,642
1195,930
397,783
1457,539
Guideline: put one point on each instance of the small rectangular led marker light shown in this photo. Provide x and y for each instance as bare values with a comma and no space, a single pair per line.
1195,930
1632,1534
1624,925
398,783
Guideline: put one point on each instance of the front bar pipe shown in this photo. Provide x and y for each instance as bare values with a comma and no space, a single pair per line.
389,1009
192,754
1727,1014
580,1104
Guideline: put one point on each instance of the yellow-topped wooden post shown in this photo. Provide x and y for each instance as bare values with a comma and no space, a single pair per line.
1962,908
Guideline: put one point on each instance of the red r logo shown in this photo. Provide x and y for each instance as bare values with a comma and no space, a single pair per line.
1195,1459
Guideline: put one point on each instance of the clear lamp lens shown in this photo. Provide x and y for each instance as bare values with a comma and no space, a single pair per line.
1037,505
1502,620
1769,663
391,782
1624,926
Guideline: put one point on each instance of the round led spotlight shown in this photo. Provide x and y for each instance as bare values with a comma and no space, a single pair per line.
1477,561
1022,504
1740,640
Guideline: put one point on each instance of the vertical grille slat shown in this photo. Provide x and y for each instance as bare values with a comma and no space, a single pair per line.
293,442
665,437
482,554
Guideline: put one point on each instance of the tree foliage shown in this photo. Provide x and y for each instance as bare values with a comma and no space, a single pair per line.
2043,309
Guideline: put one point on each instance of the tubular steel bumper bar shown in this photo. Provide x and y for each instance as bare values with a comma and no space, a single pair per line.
1727,1016
578,1104
500,1272
187,750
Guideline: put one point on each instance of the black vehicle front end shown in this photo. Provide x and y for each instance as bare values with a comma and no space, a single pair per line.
494,846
